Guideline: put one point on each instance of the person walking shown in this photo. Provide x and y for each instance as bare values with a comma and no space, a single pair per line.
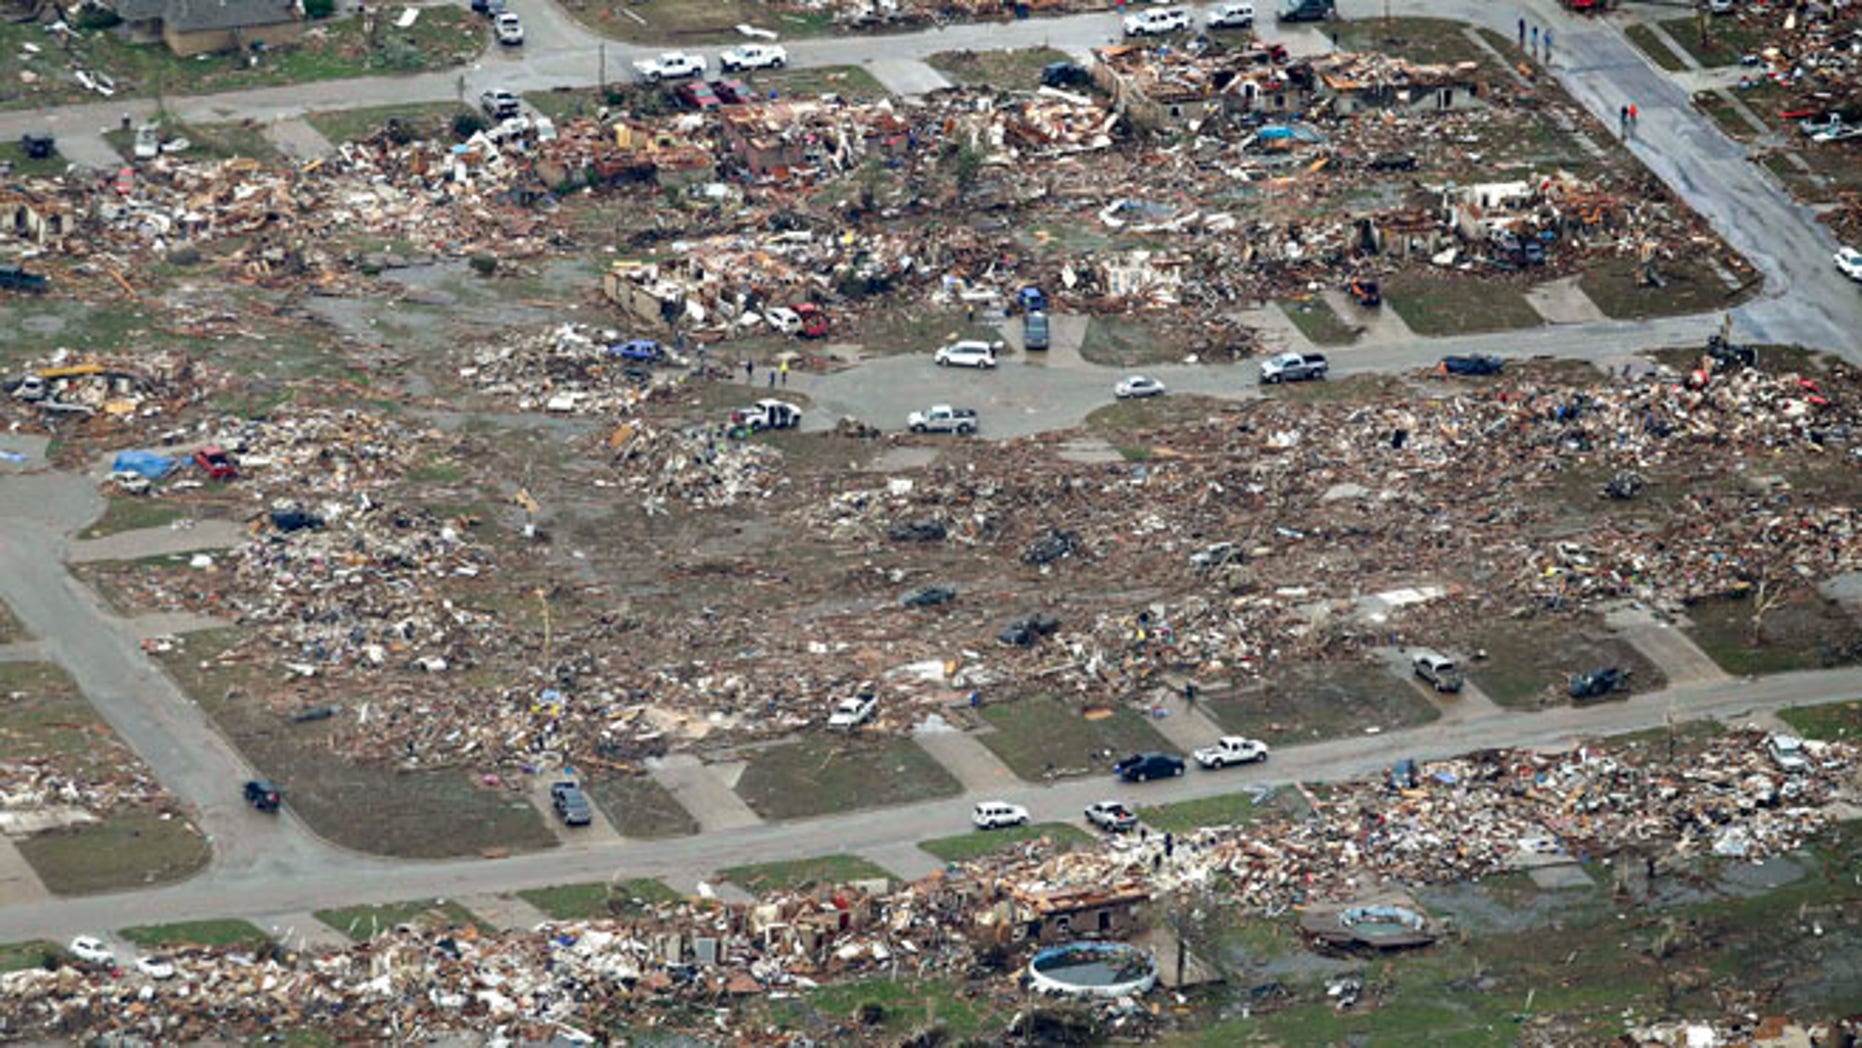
1548,43
785,374
749,372
1189,693
1622,121
1522,34
1634,117
1535,39
772,378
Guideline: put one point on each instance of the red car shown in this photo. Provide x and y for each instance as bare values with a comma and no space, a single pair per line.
814,321
697,95
216,462
732,92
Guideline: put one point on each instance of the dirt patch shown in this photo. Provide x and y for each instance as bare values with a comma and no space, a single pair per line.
1042,738
129,850
639,807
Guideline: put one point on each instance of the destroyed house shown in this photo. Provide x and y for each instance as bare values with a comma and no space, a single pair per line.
1359,83
1477,211
1051,915
1154,90
32,216
194,27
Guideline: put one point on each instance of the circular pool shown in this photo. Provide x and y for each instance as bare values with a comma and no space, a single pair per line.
1093,969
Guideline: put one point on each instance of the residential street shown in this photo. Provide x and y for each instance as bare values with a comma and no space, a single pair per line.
269,866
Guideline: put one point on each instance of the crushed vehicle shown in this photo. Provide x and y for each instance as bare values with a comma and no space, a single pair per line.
767,414
942,418
1026,632
1787,752
1598,684
928,597
1051,547
1294,367
1473,365
1437,670
15,278
1065,74
214,461
1231,750
1365,293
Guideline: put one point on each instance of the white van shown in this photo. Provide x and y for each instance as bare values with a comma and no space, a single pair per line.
990,815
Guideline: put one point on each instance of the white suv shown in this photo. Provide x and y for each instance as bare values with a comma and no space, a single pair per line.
1157,23
1232,16
991,815
967,355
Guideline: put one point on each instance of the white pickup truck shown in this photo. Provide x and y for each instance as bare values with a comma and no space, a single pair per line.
851,713
671,65
1231,749
942,418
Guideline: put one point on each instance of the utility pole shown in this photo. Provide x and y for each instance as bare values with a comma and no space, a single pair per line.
601,77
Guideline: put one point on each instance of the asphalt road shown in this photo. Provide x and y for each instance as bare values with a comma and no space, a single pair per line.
302,886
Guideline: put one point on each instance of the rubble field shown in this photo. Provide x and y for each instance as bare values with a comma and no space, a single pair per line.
77,804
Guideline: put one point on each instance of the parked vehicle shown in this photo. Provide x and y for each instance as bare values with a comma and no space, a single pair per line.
1134,387
967,354
571,804
1294,367
264,795
1231,749
15,278
697,95
1392,162
510,29
767,414
37,147
1232,16
732,92
991,815
148,143
216,463
1438,670
1848,260
1598,684
490,8
753,56
851,713
1023,633
1031,299
499,104
1035,330
814,320
1366,293
1307,10
1065,74
670,65
155,967
1143,767
943,418
1111,816
1472,365
1787,752
1157,22
92,950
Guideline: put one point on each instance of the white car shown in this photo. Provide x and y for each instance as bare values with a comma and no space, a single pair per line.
1231,16
851,713
1157,23
92,950
155,967
784,319
1111,816
990,815
509,28
1838,134
672,65
1134,386
1849,260
1787,752
753,56
1231,749
967,354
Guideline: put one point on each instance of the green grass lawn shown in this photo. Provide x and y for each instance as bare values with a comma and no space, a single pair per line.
1319,700
1727,39
640,807
824,774
1318,321
1126,343
1806,633
130,849
333,50
1438,306
228,932
1229,809
1718,107
572,902
14,154
428,120
1837,721
1042,738
897,1008
363,923
1649,44
18,956
1530,662
757,878
132,513
1687,287
1008,70
974,845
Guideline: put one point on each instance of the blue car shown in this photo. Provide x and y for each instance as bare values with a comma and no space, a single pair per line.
1033,300
639,350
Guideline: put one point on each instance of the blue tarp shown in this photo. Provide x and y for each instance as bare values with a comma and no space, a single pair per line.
144,463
